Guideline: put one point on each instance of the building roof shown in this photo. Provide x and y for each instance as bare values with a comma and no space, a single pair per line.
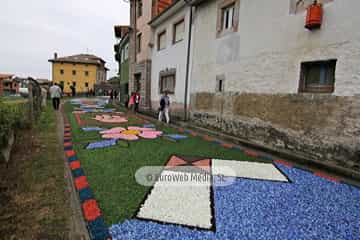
6,76
167,12
42,81
121,30
79,58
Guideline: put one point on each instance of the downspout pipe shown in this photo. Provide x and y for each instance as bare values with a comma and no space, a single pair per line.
188,62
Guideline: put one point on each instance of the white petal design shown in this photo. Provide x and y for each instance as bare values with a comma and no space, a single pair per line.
185,203
253,170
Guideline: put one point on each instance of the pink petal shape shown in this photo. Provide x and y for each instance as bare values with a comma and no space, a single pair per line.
112,135
147,135
134,128
113,130
114,120
128,137
147,129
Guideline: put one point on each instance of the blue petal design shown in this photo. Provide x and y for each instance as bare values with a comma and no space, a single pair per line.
176,136
308,208
102,144
92,129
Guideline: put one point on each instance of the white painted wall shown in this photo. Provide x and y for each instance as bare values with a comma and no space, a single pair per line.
173,56
264,56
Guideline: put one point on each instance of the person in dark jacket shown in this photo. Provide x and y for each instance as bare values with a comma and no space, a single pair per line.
164,107
137,101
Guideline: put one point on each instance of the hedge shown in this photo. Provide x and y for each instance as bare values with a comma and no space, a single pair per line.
14,115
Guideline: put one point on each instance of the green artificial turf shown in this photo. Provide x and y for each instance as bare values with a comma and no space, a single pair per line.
111,171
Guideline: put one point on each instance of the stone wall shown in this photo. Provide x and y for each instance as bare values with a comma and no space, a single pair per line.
319,127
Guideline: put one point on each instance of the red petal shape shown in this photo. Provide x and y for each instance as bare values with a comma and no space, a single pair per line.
175,161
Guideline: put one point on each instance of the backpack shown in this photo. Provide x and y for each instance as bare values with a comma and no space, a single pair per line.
162,104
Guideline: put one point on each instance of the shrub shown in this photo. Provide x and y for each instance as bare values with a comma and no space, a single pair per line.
13,116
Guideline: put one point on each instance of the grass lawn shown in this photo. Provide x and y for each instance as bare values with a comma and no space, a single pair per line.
110,171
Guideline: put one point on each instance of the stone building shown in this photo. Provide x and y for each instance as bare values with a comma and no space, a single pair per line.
259,75
122,57
141,12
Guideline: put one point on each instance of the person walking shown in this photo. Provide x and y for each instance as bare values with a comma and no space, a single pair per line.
137,101
164,107
131,101
55,94
127,101
111,93
73,90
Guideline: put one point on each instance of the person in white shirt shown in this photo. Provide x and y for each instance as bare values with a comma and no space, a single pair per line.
55,94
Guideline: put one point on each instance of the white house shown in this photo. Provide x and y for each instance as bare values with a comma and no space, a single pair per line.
170,32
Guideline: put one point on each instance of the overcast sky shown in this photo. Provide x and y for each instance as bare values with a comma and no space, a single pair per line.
32,30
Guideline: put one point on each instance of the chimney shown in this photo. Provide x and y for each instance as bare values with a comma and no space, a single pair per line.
55,55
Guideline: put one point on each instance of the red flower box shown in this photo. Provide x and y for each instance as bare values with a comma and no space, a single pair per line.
81,183
75,165
314,16
227,145
91,210
251,153
70,153
282,162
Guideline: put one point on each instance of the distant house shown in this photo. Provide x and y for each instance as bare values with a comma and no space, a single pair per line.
8,84
122,57
81,71
45,83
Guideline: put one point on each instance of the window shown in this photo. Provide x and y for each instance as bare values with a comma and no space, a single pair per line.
227,17
74,72
86,73
74,84
122,55
220,79
61,71
138,43
86,84
126,52
317,77
161,40
139,8
179,29
167,81
62,84
137,81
